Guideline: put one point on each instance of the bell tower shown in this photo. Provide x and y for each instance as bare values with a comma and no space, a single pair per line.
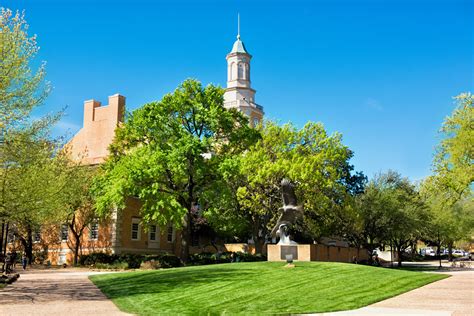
239,94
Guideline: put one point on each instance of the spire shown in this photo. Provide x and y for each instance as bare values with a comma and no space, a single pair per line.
238,26
239,46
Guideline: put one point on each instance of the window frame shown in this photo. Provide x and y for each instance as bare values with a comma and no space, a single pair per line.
154,232
170,233
135,220
94,222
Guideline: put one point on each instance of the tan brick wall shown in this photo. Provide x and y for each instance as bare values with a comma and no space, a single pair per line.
313,252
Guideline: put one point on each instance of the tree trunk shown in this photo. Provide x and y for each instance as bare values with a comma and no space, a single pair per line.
450,251
257,239
1,235
439,251
399,254
77,238
370,249
76,250
391,255
6,239
259,242
413,250
29,248
185,236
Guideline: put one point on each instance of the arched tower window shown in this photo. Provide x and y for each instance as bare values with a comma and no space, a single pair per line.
232,71
245,76
240,74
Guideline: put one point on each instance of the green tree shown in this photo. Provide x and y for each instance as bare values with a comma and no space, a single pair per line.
77,209
21,90
315,161
390,212
33,180
449,222
454,159
448,192
167,155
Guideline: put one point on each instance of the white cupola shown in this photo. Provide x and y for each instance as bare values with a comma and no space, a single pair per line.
239,93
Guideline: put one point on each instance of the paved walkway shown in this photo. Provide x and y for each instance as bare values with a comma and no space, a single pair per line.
55,292
453,296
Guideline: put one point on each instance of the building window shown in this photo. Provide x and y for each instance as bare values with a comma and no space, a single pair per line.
64,232
240,74
234,71
170,234
256,121
152,236
94,230
135,229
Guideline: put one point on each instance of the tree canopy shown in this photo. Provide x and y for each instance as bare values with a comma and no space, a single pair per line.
167,154
315,161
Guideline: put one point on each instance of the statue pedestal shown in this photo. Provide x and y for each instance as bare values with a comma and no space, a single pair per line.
280,252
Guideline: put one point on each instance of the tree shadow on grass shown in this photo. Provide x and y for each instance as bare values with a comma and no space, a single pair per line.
136,283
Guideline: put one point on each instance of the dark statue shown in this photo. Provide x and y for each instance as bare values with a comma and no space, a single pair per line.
290,213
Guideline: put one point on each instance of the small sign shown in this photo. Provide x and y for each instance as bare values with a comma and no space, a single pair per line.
288,250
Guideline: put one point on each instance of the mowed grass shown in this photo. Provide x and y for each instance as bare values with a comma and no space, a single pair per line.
257,288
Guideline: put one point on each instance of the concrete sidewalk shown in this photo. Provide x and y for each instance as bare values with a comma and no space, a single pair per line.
55,292
453,296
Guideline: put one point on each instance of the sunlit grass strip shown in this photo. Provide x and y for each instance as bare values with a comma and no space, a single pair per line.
257,288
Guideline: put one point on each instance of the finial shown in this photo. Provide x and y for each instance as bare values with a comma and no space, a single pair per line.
238,25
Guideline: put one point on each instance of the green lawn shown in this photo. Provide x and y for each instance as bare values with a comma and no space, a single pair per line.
257,288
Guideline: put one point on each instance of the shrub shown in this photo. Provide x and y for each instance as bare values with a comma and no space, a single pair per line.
204,258
134,260
97,257
112,266
247,257
170,261
131,261
163,261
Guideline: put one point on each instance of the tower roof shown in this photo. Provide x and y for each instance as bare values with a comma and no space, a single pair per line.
239,46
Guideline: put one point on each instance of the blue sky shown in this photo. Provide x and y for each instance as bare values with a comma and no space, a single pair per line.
383,73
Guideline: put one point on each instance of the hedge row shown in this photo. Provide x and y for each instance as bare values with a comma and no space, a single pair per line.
134,261
224,257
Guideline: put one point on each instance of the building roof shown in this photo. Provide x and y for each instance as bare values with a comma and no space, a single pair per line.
239,46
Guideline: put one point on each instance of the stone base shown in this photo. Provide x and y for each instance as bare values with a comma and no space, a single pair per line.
315,252
279,252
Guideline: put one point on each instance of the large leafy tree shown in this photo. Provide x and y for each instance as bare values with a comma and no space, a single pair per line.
449,222
167,155
23,143
77,209
21,89
408,215
454,159
33,180
315,161
448,192
389,212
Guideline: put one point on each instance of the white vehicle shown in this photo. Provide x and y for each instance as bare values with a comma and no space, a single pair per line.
458,252
430,252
